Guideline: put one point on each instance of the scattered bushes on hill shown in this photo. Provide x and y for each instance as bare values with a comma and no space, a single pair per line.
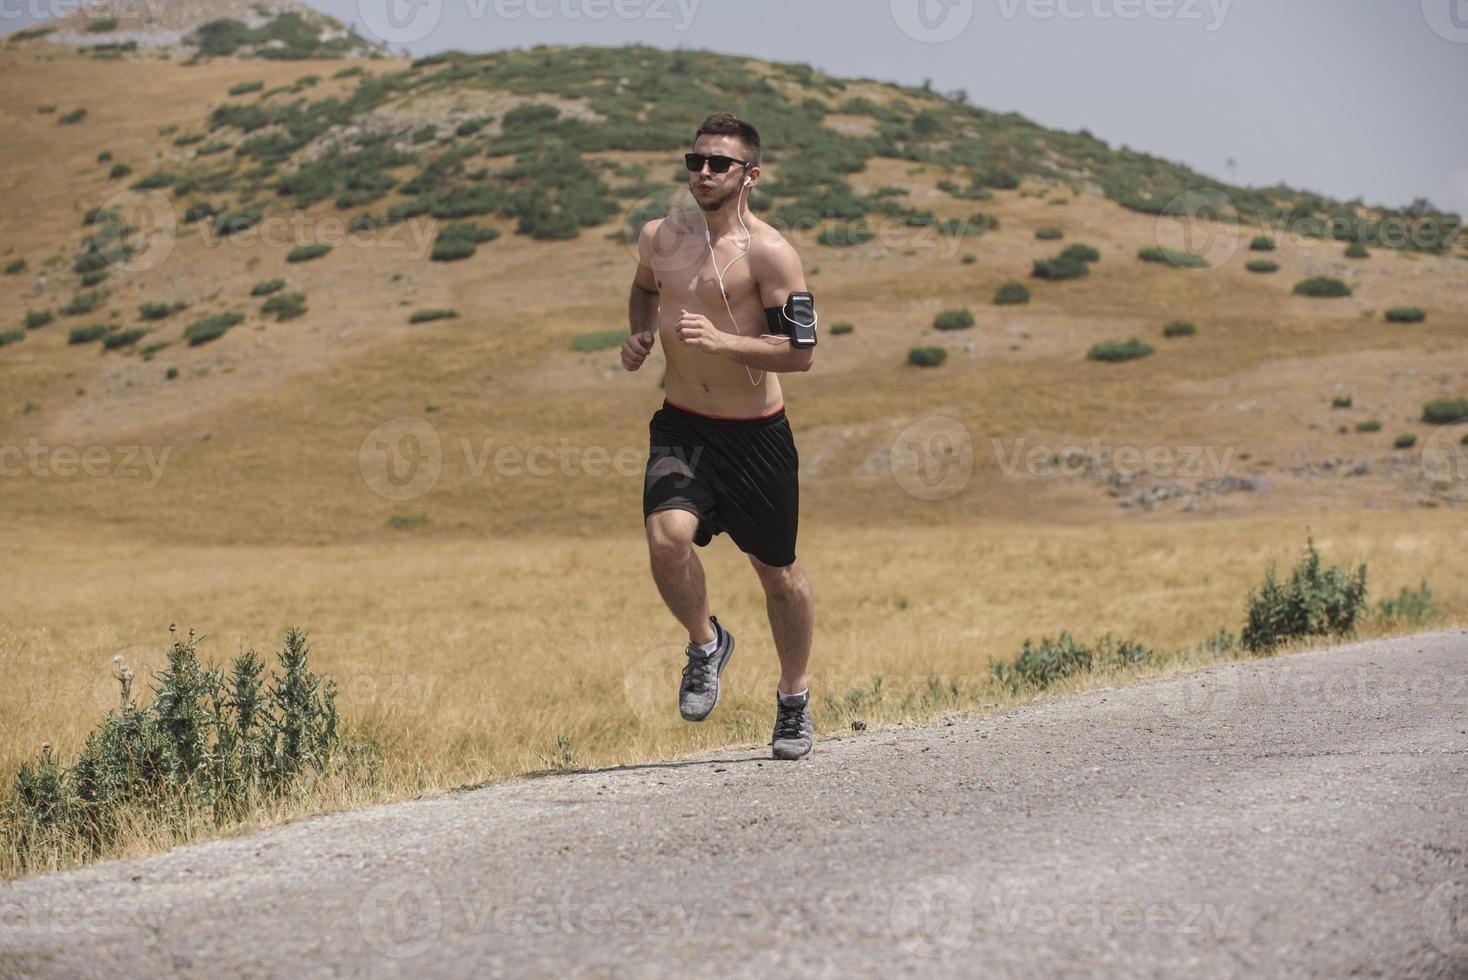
1368,425
11,337
1262,265
267,286
87,334
82,303
1179,328
1322,287
1404,441
424,316
284,306
1341,401
459,240
1011,293
35,319
1049,234
305,253
1039,665
1262,243
1356,250
1119,350
118,171
953,320
841,328
1314,601
846,234
1442,411
94,277
14,267
73,117
123,338
926,356
209,328
1172,257
1059,268
1406,314
159,311
1081,253
598,340
245,88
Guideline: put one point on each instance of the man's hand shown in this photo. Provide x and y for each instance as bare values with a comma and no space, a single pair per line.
636,348
699,331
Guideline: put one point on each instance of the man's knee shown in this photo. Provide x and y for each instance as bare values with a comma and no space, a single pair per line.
670,536
786,582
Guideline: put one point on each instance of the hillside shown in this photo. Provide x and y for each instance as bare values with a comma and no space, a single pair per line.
186,185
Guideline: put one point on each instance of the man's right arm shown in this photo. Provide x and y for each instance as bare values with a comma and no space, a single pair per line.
642,307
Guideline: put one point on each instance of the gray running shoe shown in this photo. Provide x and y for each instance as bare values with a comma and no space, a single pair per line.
699,692
794,735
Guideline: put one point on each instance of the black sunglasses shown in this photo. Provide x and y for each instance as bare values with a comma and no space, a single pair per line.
717,164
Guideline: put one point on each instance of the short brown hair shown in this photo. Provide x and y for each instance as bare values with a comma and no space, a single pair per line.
728,124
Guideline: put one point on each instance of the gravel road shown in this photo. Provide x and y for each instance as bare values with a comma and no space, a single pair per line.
1303,815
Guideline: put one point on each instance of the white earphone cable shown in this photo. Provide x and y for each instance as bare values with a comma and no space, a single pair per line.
739,211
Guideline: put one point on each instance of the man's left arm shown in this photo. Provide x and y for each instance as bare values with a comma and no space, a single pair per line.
777,273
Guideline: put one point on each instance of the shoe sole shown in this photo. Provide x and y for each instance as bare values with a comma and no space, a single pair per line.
775,753
720,675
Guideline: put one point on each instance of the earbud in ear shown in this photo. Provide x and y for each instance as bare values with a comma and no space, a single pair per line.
748,179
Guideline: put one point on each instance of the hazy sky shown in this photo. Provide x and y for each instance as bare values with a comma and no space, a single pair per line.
1345,97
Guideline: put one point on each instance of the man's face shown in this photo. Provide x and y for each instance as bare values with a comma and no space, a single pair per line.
712,190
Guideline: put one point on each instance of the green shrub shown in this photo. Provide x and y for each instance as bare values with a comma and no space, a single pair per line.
1406,314
85,335
423,316
208,747
1119,350
599,340
1356,250
459,240
94,277
209,328
14,266
1405,441
155,180
123,338
1411,607
35,319
1081,253
82,303
1172,257
152,347
1262,243
267,286
102,26
284,306
118,171
73,117
841,328
1313,601
1323,287
969,259
1179,328
305,253
159,311
1049,234
11,336
1038,665
926,356
846,235
1442,411
953,320
451,250
1262,265
1059,268
1341,401
170,374
245,88
1012,293
1369,425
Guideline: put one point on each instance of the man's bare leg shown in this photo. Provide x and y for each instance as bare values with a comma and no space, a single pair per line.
678,572
791,607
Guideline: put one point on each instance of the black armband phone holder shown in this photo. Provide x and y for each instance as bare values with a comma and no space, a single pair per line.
796,319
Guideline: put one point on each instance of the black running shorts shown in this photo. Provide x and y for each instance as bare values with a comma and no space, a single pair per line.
736,475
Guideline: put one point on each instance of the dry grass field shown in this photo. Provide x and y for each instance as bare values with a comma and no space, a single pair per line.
472,619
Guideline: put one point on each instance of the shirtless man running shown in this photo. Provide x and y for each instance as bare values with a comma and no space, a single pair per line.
710,283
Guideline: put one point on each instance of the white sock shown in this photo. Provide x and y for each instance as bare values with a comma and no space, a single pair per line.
710,646
790,697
